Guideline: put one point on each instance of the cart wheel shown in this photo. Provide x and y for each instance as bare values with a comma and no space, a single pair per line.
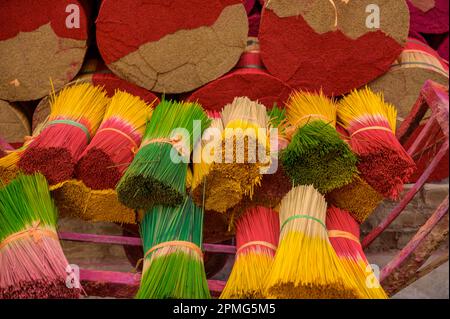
214,262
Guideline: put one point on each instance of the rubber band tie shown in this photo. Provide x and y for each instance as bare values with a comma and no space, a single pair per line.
73,123
176,243
34,231
302,216
132,141
343,234
372,128
257,243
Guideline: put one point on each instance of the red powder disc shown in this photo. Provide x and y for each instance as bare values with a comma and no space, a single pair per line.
248,79
171,47
54,33
327,44
429,16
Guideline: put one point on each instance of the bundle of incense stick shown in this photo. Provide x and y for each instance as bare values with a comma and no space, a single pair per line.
157,175
76,113
209,184
275,184
32,262
116,142
306,265
316,154
257,239
173,259
358,197
245,145
343,232
241,157
371,123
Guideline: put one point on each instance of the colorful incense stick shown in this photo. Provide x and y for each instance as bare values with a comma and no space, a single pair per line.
173,260
371,123
117,140
343,232
306,265
257,239
77,112
242,157
316,154
32,261
157,175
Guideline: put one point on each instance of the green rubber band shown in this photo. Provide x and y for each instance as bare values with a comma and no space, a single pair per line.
302,216
73,123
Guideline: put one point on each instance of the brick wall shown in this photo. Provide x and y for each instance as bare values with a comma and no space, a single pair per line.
409,221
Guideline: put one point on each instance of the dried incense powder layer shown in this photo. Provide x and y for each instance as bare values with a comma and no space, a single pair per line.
357,197
171,47
310,44
54,33
73,198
